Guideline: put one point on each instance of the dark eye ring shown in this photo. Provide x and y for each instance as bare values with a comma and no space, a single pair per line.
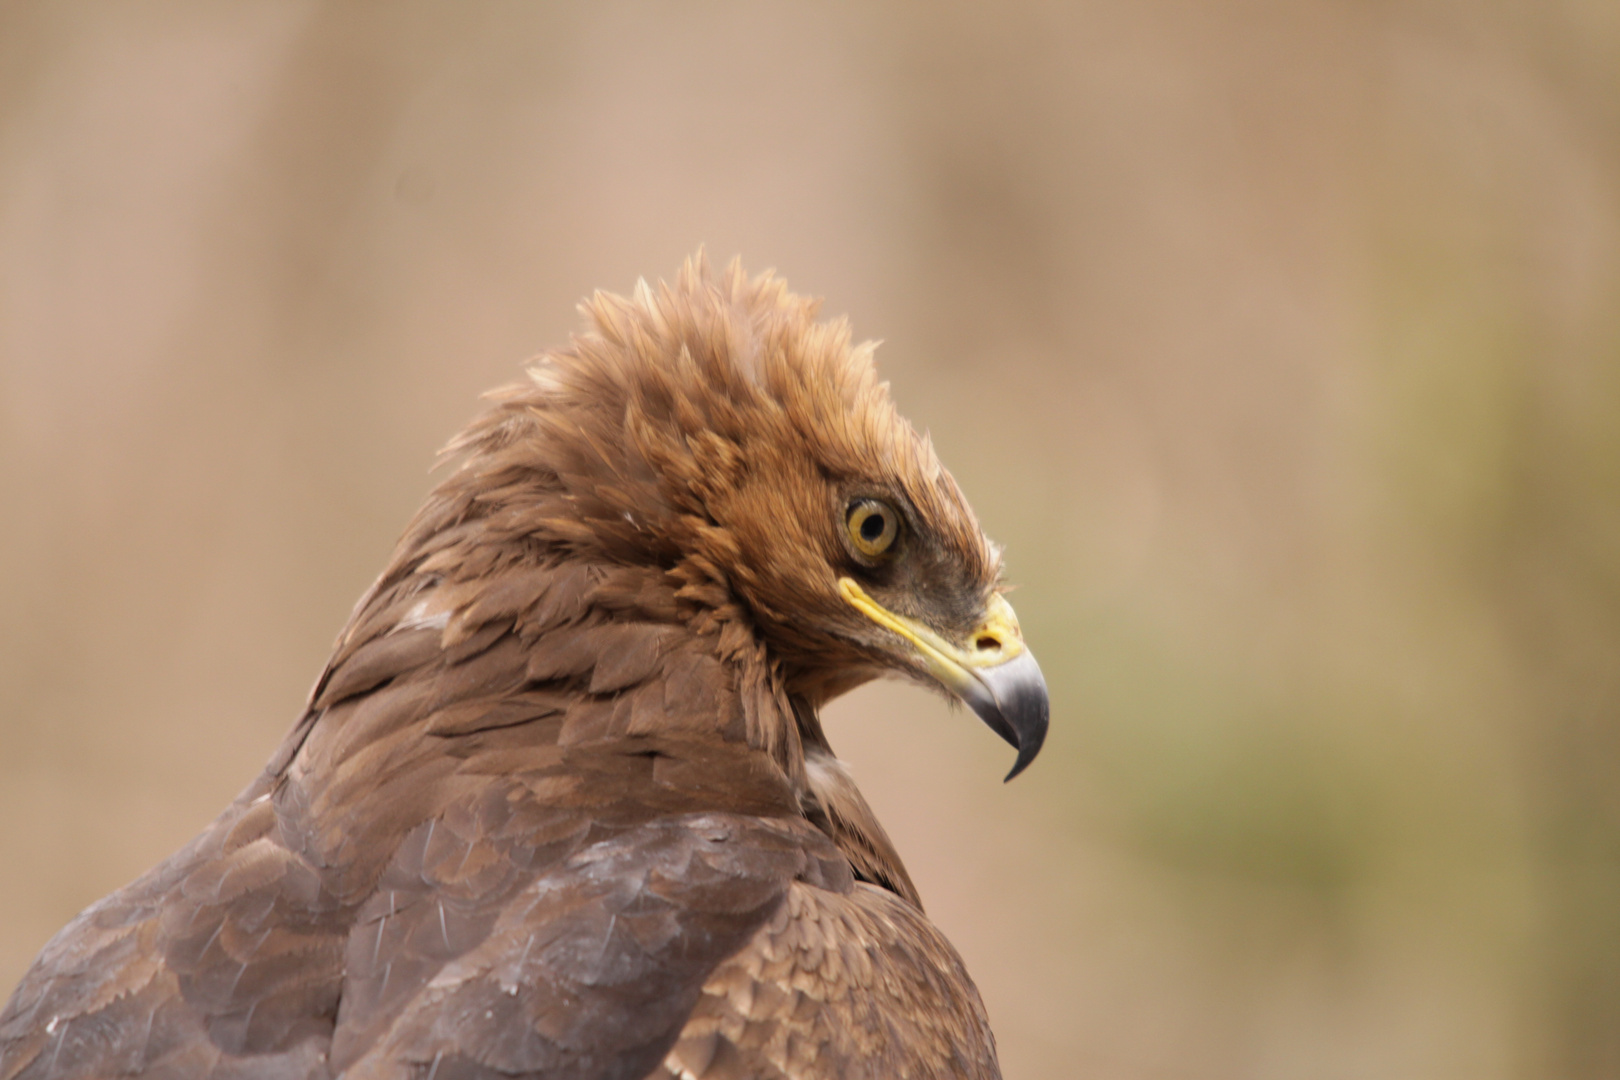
873,526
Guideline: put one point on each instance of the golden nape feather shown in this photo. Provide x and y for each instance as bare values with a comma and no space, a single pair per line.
561,804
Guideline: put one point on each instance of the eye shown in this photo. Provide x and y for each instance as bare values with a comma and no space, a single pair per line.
873,527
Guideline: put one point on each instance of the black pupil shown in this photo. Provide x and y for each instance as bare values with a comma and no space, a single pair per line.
872,527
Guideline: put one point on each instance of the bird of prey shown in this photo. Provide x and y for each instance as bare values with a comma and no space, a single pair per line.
561,805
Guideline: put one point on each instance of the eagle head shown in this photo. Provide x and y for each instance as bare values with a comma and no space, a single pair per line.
712,427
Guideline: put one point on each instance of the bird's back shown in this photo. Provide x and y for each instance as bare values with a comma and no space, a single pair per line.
505,936
466,862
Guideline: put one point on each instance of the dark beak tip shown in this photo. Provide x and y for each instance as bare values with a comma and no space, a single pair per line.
1032,737
1027,754
1014,704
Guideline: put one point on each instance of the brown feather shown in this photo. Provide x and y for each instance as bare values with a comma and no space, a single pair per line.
560,804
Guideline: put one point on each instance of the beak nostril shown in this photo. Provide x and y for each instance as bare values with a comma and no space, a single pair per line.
987,644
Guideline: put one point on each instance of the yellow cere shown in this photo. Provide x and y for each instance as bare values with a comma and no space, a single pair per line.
994,641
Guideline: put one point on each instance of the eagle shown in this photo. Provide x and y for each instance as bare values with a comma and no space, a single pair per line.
561,804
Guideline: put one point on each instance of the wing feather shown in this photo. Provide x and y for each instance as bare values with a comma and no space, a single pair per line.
837,985
591,968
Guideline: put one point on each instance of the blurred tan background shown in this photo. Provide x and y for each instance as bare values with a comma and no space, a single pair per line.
1278,340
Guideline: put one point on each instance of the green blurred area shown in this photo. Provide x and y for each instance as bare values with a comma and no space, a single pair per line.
1279,342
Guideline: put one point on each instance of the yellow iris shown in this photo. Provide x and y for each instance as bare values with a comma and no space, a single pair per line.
873,527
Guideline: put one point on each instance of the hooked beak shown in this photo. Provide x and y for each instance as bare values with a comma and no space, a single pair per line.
996,676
